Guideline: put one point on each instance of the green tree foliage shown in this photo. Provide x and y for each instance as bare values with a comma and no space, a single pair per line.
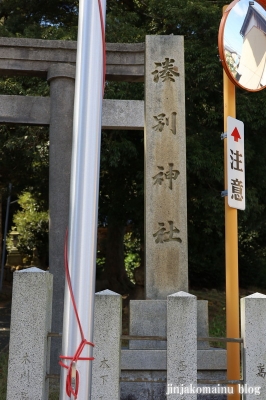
121,184
252,228
24,149
30,18
132,254
199,22
24,159
31,222
121,197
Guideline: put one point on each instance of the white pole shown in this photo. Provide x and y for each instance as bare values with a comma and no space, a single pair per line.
84,191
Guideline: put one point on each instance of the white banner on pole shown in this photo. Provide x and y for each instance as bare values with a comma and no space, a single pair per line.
83,209
235,164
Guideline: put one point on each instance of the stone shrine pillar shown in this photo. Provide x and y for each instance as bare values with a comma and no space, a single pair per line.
165,168
253,326
165,198
107,341
62,85
181,345
30,323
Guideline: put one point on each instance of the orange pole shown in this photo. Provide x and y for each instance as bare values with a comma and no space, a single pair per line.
231,258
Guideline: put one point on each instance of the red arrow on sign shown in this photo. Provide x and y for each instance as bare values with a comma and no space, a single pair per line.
236,135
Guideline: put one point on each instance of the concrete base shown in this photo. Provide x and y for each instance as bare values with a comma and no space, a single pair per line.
144,375
143,390
155,360
151,385
143,366
148,318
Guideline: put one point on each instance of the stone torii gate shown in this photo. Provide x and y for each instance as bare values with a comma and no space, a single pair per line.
55,60
165,154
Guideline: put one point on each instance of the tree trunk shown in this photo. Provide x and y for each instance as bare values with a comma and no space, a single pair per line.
115,271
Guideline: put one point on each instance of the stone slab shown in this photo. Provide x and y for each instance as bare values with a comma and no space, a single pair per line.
142,391
123,114
202,322
35,110
155,391
143,360
148,318
143,376
213,359
30,323
149,385
29,110
107,333
21,56
165,168
253,327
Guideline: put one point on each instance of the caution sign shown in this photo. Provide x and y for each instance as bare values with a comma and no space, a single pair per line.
235,164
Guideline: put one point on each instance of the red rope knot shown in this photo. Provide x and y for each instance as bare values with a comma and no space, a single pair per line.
70,388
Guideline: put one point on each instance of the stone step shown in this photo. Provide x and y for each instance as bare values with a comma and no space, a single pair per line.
154,360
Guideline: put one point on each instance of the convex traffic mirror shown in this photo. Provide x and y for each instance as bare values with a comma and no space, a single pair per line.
242,43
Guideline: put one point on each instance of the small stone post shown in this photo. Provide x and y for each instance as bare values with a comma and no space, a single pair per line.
107,340
61,78
30,322
181,346
253,332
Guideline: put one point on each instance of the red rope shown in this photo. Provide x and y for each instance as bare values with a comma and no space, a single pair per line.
103,42
69,389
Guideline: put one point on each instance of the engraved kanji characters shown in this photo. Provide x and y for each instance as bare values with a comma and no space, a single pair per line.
165,122
165,70
181,380
104,378
104,364
171,175
182,366
162,120
25,375
163,236
25,359
262,372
